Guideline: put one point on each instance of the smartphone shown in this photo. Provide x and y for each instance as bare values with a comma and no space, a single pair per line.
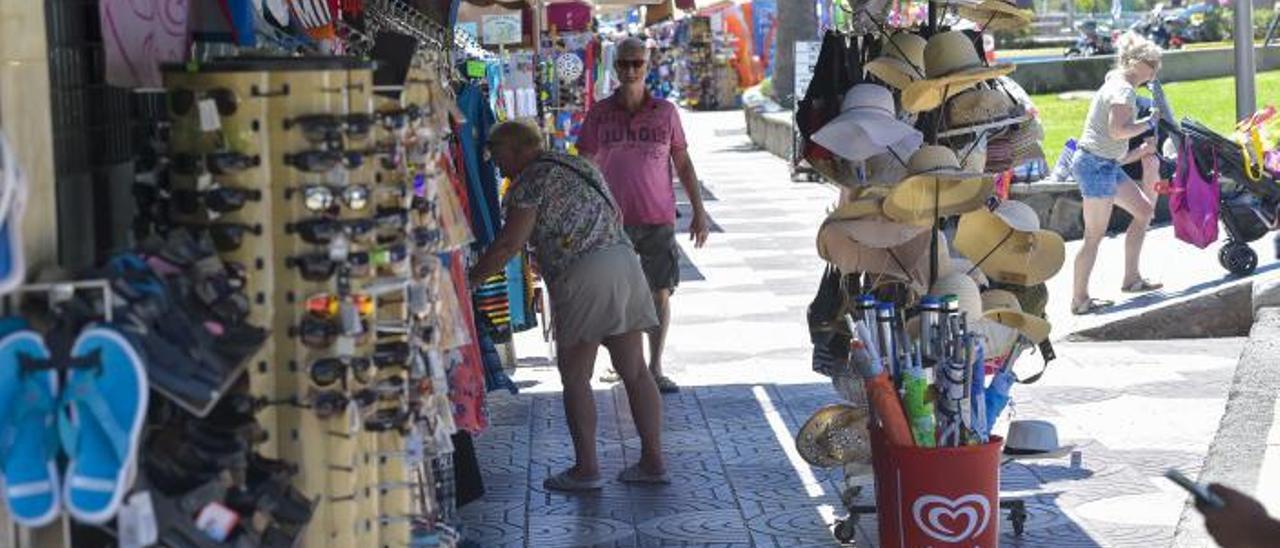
1200,492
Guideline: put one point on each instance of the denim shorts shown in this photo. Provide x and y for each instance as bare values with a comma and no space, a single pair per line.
1098,177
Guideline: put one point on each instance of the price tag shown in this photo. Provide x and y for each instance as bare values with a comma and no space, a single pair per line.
204,182
136,521
217,521
354,426
209,118
350,317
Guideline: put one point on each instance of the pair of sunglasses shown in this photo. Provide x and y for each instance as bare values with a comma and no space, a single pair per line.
324,231
327,372
325,128
392,218
392,354
327,305
390,420
323,161
320,198
182,100
400,118
217,163
220,199
228,237
321,333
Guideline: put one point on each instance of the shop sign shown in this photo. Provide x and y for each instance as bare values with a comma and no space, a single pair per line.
501,29
806,58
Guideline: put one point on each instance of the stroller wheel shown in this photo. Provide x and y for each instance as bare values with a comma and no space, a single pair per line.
1238,258
846,530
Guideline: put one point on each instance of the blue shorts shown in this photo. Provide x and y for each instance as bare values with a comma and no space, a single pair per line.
1098,177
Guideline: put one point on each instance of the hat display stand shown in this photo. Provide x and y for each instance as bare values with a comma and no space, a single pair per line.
927,421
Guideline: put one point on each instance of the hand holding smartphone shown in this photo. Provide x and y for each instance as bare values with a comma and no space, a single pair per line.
1201,493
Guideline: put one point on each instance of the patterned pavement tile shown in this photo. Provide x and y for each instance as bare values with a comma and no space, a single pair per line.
710,526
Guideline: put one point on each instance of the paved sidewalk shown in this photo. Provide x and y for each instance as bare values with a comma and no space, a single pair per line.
740,348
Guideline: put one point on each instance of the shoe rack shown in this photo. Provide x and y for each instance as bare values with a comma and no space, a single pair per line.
358,489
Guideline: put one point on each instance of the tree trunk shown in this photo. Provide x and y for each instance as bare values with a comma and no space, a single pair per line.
797,21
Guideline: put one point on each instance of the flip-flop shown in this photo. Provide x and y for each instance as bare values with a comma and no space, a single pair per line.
27,420
636,475
1142,285
1092,306
107,395
564,482
666,385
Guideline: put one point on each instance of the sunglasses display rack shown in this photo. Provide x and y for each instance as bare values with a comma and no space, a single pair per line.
321,191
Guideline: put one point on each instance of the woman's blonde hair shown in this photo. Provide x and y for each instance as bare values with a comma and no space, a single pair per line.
1133,49
516,135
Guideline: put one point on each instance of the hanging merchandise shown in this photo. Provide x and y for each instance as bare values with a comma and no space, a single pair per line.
13,206
951,65
1009,246
139,36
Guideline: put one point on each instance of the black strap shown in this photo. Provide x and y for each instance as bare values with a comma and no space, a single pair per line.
591,181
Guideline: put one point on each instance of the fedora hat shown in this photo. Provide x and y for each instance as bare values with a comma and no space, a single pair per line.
907,262
936,186
951,64
901,60
1002,307
1032,439
1009,245
981,109
996,15
867,125
836,434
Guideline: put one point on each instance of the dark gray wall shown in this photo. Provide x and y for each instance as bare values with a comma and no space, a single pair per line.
1081,74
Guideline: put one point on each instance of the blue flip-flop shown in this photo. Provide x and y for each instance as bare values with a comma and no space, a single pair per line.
28,431
106,394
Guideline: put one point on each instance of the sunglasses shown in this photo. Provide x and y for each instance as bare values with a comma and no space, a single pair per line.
392,354
323,161
330,306
389,420
327,372
426,238
634,64
220,199
314,267
218,163
228,237
392,218
321,333
398,119
181,100
323,231
325,128
392,257
322,198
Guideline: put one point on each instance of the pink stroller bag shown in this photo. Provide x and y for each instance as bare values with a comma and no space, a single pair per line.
1193,203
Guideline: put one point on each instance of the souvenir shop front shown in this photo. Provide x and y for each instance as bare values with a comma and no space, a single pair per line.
268,338
936,284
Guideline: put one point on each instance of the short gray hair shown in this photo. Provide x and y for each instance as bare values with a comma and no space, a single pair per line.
516,135
632,45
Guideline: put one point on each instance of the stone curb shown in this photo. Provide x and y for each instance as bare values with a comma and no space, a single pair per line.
1236,454
1225,312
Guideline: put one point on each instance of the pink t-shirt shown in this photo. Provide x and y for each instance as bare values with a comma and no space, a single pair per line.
634,153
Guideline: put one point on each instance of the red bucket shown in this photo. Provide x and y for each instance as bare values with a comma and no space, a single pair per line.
939,497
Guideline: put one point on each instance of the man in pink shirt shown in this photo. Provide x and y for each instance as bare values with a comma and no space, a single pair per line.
636,139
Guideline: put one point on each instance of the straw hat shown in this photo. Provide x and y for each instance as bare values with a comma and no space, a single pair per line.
1024,142
990,108
963,265
885,170
952,65
996,15
1008,244
1002,307
867,125
969,298
836,434
901,60
863,220
907,262
936,187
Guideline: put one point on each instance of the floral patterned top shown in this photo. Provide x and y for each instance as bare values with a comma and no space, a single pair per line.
574,219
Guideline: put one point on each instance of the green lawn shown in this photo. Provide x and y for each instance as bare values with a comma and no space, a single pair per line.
1209,101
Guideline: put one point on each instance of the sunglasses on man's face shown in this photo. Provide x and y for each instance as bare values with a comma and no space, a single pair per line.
634,64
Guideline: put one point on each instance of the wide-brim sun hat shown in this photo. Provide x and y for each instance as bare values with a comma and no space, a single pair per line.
1002,307
1008,244
908,262
867,125
901,60
996,15
952,65
863,220
936,187
835,435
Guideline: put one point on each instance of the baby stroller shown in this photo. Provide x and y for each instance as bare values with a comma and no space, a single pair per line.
1249,205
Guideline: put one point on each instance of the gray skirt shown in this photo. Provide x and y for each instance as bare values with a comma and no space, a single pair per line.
601,295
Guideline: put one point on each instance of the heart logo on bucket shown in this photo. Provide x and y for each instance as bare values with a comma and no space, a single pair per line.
952,521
